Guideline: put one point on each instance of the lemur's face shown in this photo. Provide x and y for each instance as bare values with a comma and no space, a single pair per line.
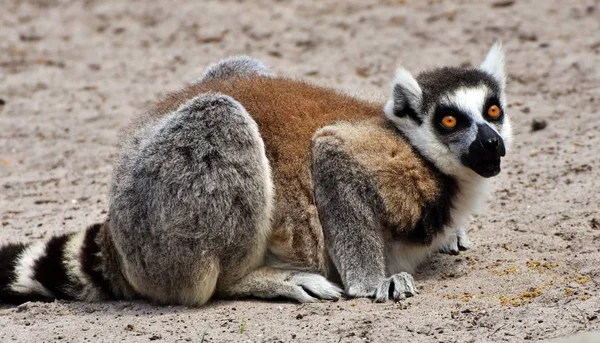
455,117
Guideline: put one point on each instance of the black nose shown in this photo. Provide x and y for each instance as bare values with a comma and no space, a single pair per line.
490,143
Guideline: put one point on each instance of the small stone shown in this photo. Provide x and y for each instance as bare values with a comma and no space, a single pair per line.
275,53
363,71
538,124
503,3
528,37
30,35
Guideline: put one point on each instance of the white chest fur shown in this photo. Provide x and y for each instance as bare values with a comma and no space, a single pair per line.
403,257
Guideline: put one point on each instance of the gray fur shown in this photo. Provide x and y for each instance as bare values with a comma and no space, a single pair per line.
239,66
112,267
351,212
189,192
349,207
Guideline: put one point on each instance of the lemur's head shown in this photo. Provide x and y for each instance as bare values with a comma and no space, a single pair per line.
455,117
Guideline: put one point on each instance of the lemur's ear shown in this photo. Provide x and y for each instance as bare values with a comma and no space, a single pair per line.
494,64
406,97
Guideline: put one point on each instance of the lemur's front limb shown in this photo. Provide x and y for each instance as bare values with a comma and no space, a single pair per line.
350,211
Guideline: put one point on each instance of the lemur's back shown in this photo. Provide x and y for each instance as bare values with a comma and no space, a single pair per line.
288,113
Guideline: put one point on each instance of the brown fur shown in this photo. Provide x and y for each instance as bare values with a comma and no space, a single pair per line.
288,113
401,177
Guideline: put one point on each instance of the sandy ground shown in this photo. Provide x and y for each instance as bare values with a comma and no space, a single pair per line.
73,73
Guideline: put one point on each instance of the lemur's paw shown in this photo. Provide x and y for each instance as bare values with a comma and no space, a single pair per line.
397,287
463,241
313,288
450,247
456,242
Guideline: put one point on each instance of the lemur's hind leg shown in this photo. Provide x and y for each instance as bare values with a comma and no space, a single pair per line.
240,66
191,201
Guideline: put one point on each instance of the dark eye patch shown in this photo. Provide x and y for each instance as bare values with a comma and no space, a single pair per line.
463,121
493,100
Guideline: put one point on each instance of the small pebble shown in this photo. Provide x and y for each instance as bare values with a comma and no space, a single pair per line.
503,3
537,125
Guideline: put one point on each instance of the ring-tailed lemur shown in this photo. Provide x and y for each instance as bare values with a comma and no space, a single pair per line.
248,184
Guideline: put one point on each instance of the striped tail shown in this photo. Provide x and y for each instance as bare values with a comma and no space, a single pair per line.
76,266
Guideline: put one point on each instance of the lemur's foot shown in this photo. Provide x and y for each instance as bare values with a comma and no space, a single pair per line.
463,241
309,287
397,287
456,242
450,247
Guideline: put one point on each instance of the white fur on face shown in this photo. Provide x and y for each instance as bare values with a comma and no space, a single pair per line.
471,102
468,100
424,138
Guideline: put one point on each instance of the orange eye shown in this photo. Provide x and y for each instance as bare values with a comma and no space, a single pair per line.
449,122
494,111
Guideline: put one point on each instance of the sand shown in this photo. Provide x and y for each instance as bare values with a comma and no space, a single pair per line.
73,74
